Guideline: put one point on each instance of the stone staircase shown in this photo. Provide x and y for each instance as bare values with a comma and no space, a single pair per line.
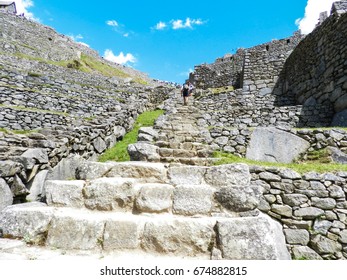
144,208
175,138
176,207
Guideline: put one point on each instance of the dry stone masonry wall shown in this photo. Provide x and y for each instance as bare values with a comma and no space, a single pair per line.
244,110
312,209
68,111
302,76
324,52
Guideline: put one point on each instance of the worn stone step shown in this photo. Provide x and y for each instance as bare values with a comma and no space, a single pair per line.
78,229
167,152
194,146
14,249
189,161
126,195
141,170
172,134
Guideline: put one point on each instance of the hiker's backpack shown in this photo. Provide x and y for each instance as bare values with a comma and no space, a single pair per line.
185,89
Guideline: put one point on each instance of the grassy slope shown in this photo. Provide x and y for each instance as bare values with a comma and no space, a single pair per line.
120,151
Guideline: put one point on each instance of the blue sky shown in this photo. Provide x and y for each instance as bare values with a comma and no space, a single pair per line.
166,39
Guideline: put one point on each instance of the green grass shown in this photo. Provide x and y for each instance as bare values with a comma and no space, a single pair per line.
32,74
300,167
221,89
119,152
90,64
140,81
23,132
86,64
319,156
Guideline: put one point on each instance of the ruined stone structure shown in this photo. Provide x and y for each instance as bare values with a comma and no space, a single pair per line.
304,77
67,111
323,52
169,200
8,6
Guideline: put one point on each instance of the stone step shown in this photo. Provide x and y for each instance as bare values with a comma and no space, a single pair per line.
186,190
14,249
116,195
141,170
194,146
168,152
172,133
190,161
79,229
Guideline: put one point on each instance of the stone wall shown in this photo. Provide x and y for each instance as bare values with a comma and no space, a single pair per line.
238,109
261,64
225,71
307,71
316,71
63,111
235,140
24,159
20,36
264,63
311,207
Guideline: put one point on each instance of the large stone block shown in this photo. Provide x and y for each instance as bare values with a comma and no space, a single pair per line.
193,199
122,234
142,151
252,238
146,171
274,145
108,194
88,170
181,175
75,230
65,193
228,175
239,198
184,237
29,221
154,198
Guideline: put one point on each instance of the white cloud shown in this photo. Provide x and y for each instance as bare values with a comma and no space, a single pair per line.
189,23
312,11
160,25
120,59
177,24
112,23
119,28
23,6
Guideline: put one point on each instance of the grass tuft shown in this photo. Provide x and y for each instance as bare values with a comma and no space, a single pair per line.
301,167
221,89
119,152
